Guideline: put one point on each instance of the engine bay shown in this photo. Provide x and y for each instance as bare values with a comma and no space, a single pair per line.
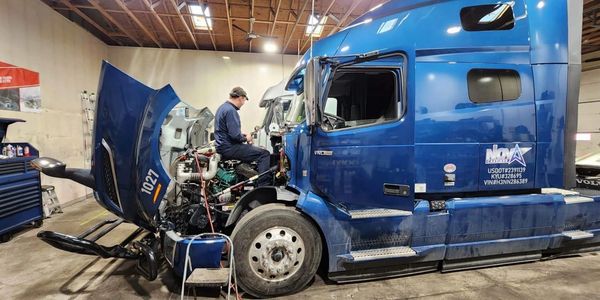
204,187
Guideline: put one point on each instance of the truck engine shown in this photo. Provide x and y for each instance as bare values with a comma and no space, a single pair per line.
204,186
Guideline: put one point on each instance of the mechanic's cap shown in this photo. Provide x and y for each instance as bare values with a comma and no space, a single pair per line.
238,92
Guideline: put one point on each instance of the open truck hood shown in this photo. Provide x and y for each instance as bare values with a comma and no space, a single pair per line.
130,178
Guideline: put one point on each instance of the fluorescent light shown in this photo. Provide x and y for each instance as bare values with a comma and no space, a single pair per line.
583,137
200,17
226,57
315,26
376,7
270,47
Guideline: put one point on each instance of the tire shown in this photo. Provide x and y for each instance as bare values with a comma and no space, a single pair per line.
278,228
38,223
5,237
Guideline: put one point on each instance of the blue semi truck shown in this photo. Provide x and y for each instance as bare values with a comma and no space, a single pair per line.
438,135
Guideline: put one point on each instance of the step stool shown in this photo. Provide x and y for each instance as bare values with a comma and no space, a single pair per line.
50,201
203,277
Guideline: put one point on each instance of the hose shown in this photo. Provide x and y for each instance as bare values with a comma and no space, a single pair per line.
188,259
212,227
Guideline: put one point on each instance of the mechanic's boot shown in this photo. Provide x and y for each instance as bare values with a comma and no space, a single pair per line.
245,170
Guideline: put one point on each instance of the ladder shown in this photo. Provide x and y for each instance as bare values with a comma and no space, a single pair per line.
88,106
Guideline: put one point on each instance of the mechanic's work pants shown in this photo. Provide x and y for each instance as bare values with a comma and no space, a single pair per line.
248,153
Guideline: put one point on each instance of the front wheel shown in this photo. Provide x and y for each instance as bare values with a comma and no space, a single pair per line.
277,251
5,237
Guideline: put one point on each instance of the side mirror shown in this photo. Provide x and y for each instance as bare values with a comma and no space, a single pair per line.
57,168
50,166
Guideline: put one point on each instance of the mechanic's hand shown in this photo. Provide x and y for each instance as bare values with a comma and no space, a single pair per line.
249,139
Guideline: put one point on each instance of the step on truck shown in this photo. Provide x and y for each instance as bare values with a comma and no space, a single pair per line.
437,135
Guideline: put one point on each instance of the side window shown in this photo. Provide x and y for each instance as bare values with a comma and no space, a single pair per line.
487,17
331,106
492,85
361,97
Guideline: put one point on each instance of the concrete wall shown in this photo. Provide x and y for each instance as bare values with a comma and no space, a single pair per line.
204,78
589,112
68,58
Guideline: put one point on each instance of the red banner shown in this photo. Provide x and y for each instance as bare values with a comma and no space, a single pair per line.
15,77
19,89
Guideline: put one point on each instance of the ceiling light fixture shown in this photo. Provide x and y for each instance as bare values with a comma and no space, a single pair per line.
270,47
226,57
583,137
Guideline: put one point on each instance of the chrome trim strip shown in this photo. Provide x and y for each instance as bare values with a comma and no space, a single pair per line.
112,169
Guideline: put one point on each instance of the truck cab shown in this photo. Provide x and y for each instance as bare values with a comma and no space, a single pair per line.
276,102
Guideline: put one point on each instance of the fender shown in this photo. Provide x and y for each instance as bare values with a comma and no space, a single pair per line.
260,196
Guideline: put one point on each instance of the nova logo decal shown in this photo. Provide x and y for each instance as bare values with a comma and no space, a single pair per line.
506,155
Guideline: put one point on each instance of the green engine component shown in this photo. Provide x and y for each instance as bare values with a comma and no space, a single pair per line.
223,179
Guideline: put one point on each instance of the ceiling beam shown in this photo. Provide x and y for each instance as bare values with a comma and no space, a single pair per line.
251,25
275,19
346,15
223,19
101,10
165,7
89,20
185,24
150,7
229,25
123,6
296,24
210,28
315,27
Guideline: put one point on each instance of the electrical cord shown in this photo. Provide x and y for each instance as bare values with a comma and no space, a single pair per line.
188,259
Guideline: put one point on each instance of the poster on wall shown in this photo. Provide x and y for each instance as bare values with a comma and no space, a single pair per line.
19,89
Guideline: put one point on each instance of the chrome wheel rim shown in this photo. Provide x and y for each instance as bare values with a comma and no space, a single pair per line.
276,253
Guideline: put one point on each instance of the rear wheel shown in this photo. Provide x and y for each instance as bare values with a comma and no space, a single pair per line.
277,251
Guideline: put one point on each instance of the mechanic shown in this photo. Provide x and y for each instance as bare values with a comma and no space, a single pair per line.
229,140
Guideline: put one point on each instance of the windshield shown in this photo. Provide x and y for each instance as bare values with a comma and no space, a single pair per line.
590,160
295,113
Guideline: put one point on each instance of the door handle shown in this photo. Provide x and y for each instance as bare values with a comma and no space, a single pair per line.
396,189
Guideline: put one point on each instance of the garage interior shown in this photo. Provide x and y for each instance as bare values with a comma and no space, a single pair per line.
203,48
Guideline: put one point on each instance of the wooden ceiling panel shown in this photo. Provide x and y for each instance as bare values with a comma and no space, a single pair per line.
168,23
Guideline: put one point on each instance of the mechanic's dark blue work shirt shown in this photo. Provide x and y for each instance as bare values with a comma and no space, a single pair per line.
228,128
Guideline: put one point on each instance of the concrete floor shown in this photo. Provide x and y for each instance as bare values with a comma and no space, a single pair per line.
30,269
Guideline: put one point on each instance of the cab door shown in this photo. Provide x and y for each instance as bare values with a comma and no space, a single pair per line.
362,148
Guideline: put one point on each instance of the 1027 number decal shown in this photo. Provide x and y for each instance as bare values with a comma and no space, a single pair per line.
149,182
